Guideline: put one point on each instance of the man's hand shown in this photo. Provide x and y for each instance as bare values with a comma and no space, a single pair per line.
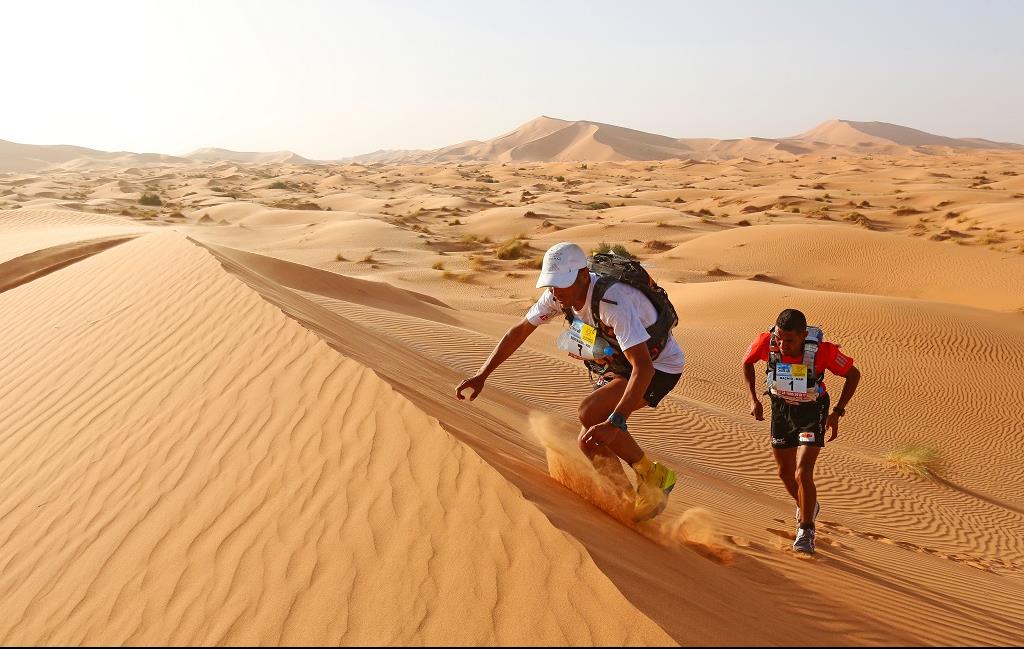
474,383
757,409
599,434
833,422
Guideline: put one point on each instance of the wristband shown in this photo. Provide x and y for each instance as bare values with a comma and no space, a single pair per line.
617,420
839,411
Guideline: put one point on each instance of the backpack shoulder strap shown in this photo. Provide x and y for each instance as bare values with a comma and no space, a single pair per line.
774,352
597,297
812,345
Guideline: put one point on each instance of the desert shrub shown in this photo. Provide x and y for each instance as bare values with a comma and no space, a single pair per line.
616,248
906,211
916,459
465,278
656,244
512,249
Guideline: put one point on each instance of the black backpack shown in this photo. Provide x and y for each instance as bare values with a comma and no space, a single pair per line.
611,268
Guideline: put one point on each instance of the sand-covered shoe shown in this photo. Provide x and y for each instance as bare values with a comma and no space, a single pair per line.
652,492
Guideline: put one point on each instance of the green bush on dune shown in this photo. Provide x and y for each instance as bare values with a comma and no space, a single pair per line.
617,249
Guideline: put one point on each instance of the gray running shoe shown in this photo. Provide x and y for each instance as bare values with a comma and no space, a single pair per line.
817,510
804,541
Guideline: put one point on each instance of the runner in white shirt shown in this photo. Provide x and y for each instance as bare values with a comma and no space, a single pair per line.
627,312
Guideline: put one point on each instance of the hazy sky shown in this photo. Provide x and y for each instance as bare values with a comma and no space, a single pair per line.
330,79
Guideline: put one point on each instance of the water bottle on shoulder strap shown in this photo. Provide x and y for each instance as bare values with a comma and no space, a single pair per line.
582,341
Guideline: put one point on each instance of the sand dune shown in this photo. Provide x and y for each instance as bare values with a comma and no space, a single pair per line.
548,139
544,139
212,154
552,140
867,134
743,464
852,260
27,231
263,490
232,419
20,158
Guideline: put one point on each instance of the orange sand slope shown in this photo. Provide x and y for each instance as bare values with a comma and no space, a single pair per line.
172,408
181,463
30,231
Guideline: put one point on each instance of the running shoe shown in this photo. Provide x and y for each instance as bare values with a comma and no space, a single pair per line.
652,492
804,540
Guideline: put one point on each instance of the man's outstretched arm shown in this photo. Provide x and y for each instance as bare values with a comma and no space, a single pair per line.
507,346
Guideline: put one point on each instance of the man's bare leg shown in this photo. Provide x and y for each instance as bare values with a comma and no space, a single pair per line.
596,408
654,481
806,456
785,460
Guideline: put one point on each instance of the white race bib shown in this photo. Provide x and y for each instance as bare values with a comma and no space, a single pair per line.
791,380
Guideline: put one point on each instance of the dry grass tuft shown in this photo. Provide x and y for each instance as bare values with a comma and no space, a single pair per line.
916,459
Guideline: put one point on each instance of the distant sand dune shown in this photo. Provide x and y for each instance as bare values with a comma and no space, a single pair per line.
844,259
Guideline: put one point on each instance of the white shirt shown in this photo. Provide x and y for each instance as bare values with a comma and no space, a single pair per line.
629,319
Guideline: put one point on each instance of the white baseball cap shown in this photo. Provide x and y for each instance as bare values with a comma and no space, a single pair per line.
562,263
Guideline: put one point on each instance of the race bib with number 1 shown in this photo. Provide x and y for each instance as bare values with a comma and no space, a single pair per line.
791,380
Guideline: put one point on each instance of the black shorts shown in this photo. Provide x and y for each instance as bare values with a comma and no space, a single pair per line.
660,385
799,425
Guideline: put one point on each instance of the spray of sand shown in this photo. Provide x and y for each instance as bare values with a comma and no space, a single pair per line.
604,484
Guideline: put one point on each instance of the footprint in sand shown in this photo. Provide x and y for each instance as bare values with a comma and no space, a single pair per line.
742,542
822,540
785,534
995,566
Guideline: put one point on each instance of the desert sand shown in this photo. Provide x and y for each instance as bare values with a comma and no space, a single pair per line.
230,417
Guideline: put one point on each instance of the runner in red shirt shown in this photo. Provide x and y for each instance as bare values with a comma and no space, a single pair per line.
797,359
